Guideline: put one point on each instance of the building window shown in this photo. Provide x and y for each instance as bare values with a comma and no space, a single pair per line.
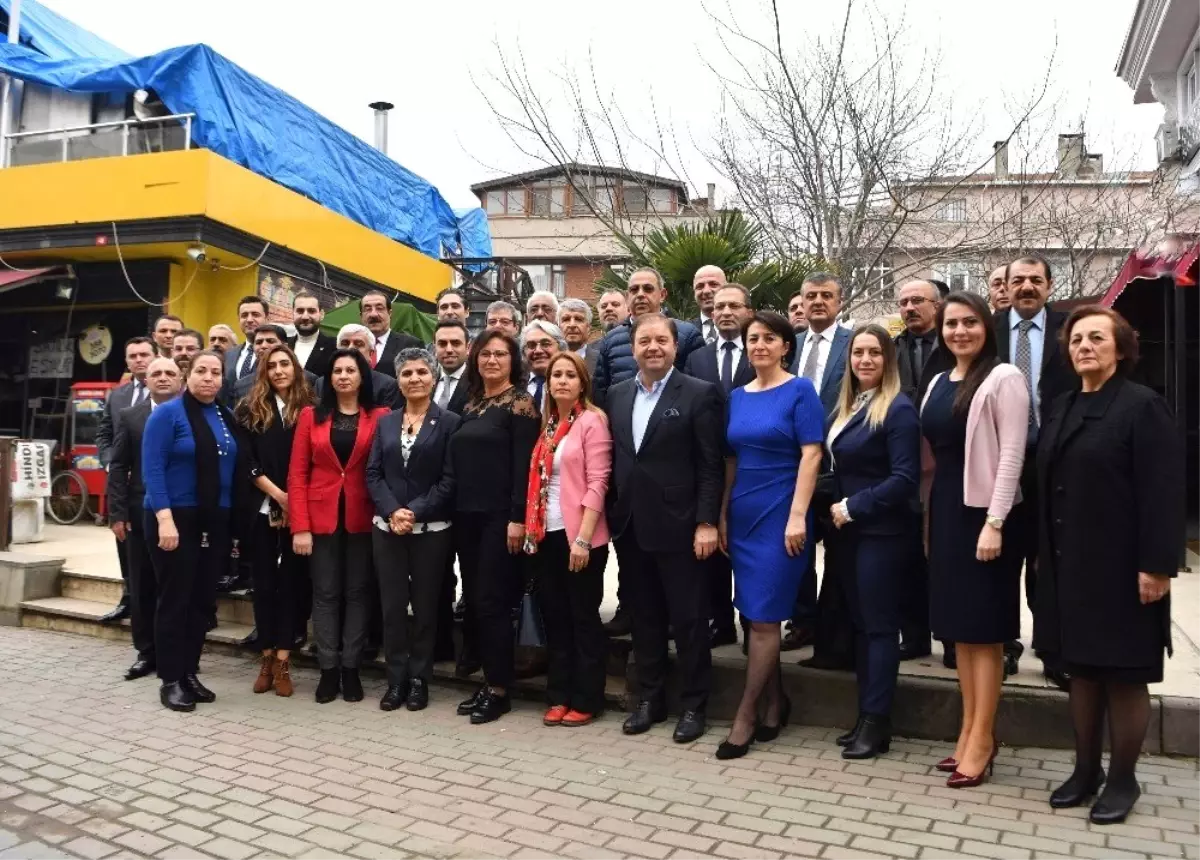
874,279
1191,85
507,201
558,281
956,275
953,210
549,200
633,198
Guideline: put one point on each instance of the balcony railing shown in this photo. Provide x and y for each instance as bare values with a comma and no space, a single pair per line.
99,140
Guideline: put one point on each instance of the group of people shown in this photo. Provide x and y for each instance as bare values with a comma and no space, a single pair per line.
713,454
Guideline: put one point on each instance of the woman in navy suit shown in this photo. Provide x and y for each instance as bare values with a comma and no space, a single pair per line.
873,445
411,480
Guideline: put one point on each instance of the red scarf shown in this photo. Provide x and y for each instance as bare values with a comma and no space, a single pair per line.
540,468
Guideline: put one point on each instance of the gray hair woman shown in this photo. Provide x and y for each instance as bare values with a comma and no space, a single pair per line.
412,485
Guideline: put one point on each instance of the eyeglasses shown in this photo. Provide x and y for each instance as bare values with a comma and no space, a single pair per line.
915,301
488,354
538,344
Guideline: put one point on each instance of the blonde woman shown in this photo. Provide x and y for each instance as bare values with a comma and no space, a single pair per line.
873,446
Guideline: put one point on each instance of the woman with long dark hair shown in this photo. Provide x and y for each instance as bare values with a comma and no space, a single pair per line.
1111,469
974,421
330,514
191,465
873,445
269,413
490,455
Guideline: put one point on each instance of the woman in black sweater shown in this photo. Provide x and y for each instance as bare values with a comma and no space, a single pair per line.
490,454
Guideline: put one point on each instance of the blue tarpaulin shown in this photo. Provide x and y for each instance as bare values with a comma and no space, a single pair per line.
252,123
474,232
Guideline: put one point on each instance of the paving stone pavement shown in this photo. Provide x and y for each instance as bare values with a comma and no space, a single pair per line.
93,767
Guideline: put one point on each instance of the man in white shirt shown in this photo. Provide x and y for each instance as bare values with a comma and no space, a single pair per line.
375,309
313,348
240,361
821,351
575,320
705,283
451,345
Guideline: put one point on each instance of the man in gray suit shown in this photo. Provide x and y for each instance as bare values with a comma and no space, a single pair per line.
240,360
575,320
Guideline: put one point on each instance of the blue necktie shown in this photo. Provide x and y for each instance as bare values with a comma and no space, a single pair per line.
539,381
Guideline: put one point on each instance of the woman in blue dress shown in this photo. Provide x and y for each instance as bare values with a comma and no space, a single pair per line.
775,429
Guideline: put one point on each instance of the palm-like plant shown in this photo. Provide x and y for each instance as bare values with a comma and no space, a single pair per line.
728,240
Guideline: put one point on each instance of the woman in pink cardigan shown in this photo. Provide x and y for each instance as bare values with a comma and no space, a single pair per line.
566,532
974,421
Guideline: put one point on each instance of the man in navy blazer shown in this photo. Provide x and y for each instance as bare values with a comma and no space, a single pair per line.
724,364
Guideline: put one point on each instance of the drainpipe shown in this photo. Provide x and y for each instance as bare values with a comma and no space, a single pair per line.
381,124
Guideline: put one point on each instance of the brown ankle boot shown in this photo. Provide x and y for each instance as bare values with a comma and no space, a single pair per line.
265,679
283,678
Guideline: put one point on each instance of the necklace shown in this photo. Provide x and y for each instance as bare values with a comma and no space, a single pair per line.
413,424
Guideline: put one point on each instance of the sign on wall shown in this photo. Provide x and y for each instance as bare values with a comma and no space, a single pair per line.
31,471
53,359
95,344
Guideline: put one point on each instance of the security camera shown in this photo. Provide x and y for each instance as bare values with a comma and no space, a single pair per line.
197,253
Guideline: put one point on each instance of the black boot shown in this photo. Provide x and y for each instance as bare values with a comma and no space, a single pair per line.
199,692
418,695
1077,789
352,690
329,686
393,698
874,737
1115,802
176,697
847,738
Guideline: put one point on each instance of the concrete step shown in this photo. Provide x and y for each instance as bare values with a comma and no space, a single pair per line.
236,608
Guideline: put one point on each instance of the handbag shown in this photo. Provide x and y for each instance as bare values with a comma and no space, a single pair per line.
531,633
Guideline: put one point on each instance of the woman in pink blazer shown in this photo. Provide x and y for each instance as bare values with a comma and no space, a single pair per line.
974,421
566,533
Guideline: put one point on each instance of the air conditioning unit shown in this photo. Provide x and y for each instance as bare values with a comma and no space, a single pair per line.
1166,142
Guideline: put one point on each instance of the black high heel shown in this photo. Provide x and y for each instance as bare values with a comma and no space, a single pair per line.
765,733
727,750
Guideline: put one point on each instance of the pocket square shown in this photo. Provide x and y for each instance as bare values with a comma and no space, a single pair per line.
671,413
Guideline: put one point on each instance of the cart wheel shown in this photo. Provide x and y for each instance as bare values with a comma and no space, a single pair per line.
68,498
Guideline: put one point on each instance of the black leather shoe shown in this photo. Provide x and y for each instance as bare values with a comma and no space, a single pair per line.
352,690
490,707
874,737
1058,678
643,717
1011,664
393,698
199,692
690,727
117,615
1076,790
914,650
718,636
727,750
621,624
140,669
177,697
1114,803
797,636
764,733
847,738
831,664
949,655
467,705
418,695
329,686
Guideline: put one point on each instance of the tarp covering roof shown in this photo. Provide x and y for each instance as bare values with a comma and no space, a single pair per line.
474,232
53,36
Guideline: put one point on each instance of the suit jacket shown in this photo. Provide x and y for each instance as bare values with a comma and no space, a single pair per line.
937,360
397,340
835,366
322,354
232,357
877,470
270,455
425,485
589,357
125,487
583,478
316,478
458,400
675,481
705,363
387,390
119,398
1057,377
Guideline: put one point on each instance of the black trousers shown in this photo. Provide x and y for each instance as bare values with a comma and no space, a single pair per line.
492,582
718,571
275,569
123,563
341,573
914,593
667,589
834,636
187,588
410,568
804,612
302,595
575,639
1024,523
873,571
142,585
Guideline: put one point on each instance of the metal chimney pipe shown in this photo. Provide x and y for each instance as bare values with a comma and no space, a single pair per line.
381,124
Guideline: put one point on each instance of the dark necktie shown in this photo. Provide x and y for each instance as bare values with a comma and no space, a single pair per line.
917,361
710,331
539,382
247,363
1024,360
727,366
137,394
447,391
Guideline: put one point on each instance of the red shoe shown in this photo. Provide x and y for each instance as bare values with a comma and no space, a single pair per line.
554,716
947,765
575,718
961,780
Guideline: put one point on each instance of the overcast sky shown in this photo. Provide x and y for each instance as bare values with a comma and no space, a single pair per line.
428,58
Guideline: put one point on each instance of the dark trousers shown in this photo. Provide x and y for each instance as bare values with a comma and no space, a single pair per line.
667,589
914,594
492,583
575,639
142,585
275,569
444,637
187,588
834,635
410,568
873,569
1023,522
719,573
123,563
302,594
804,611
341,573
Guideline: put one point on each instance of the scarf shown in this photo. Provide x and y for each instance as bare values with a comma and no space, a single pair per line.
541,466
208,467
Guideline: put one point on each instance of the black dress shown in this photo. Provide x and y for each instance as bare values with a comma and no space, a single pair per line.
970,601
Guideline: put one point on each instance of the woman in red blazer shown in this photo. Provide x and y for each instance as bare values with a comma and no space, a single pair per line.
330,513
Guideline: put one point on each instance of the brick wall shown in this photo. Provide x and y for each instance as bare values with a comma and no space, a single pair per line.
581,277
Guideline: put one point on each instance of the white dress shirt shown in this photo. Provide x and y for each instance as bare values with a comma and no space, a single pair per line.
448,381
823,342
644,401
707,327
738,349
305,346
554,517
381,344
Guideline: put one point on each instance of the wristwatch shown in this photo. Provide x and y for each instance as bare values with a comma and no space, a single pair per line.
582,544
995,522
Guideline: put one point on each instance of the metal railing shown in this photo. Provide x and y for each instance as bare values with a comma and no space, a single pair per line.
98,140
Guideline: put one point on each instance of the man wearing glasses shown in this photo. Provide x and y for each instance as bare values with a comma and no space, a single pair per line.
916,345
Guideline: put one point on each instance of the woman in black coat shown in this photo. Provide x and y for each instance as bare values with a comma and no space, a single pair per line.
411,481
1110,473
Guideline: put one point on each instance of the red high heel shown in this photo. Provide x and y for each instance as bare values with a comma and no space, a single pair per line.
961,780
947,765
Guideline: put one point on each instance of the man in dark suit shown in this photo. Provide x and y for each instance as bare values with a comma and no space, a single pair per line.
375,309
575,320
663,504
724,364
240,361
313,347
139,352
821,358
1027,336
125,492
705,283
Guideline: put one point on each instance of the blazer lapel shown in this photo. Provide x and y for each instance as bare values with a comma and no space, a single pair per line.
1003,336
622,410
362,439
1050,337
831,361
427,429
665,401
